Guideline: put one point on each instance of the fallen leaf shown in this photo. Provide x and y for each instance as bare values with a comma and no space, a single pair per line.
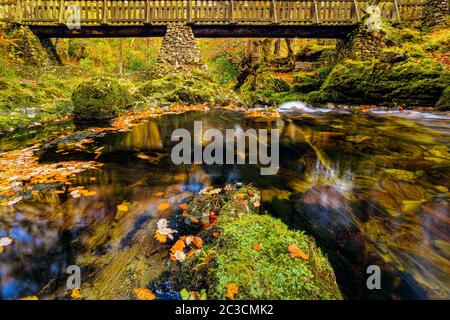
212,218
296,252
197,241
5,241
159,194
1,249
76,294
232,290
122,207
256,247
195,220
185,213
160,237
163,206
184,206
144,294
30,298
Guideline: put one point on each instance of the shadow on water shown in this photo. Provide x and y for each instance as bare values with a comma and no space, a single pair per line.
371,189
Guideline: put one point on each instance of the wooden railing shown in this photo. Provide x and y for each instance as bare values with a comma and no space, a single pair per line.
132,12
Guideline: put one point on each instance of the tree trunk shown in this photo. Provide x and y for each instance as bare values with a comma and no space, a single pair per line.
120,64
277,47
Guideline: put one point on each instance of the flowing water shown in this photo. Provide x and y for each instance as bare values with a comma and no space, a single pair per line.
371,188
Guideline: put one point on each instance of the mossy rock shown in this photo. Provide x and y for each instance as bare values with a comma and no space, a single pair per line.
411,82
194,87
444,101
100,100
267,273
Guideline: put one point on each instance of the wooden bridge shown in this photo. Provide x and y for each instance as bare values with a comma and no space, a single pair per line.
208,18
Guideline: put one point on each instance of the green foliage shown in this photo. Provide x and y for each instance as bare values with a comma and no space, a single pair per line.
224,68
189,295
100,99
444,101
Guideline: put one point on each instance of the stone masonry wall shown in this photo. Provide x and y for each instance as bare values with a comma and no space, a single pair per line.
436,12
31,49
179,50
362,44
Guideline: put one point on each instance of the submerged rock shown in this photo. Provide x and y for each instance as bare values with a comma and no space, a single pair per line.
100,100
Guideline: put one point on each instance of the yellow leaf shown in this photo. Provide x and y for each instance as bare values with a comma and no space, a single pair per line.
159,194
76,294
160,237
144,294
232,290
296,252
256,247
163,206
122,207
30,298
1,249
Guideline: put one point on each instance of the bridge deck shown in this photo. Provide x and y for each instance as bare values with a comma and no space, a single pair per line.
209,18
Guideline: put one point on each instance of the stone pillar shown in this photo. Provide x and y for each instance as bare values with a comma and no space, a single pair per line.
179,50
435,13
361,45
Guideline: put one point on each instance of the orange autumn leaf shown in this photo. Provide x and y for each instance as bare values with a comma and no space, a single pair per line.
163,206
122,207
160,237
195,220
197,241
1,249
184,206
185,213
256,247
296,252
159,194
178,246
216,234
75,294
232,290
144,294
192,252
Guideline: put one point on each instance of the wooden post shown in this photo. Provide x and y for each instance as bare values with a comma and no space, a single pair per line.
274,11
356,9
315,9
147,11
61,12
189,13
231,3
397,12
105,12
19,11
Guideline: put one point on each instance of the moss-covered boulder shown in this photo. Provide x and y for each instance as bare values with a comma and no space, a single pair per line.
100,100
444,101
412,81
251,251
188,87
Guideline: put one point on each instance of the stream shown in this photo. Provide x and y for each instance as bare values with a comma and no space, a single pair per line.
371,188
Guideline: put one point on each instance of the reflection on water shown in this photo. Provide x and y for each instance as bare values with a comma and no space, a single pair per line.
372,189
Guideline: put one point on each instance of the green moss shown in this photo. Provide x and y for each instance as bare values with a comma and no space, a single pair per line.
444,101
413,82
188,87
100,99
270,273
